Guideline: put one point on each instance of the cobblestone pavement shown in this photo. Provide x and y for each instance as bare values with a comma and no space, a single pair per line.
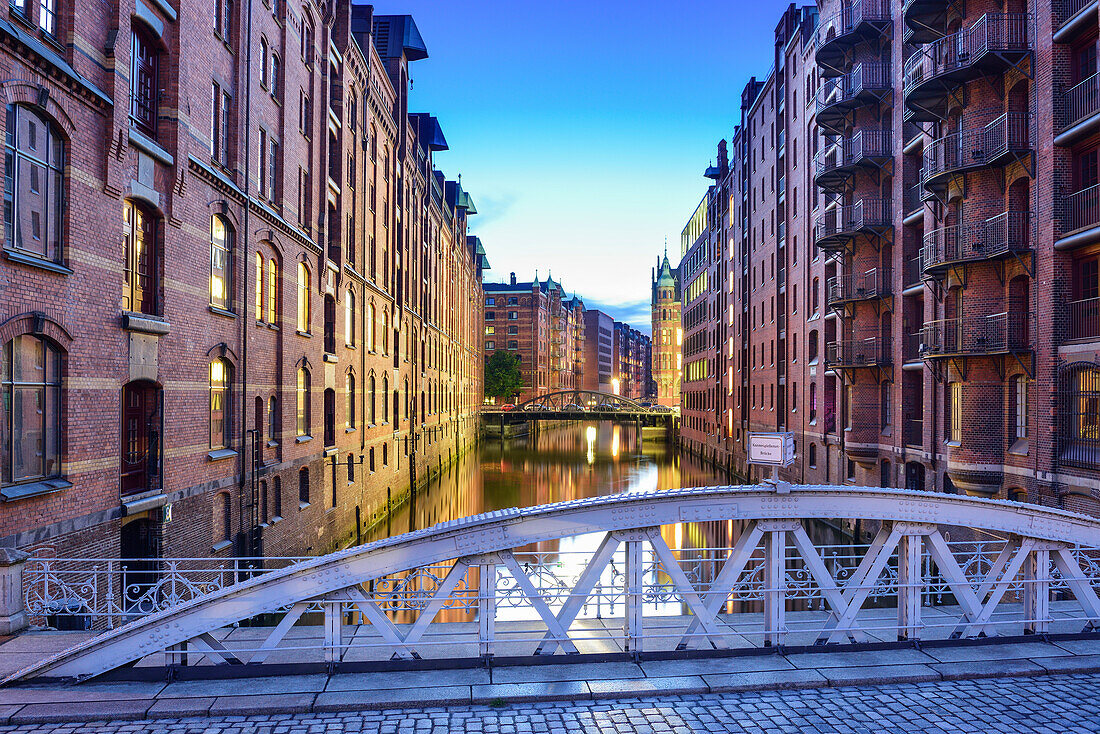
1048,704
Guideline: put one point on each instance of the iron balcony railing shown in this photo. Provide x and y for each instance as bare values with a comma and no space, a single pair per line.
852,151
1001,333
874,283
910,347
869,352
1080,101
913,430
1084,318
977,147
993,33
995,237
913,274
1081,209
850,19
1065,10
847,221
864,77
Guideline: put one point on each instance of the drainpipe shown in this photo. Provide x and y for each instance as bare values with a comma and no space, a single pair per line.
243,261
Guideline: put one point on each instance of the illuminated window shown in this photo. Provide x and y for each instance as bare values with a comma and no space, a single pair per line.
302,422
954,433
221,263
303,298
219,404
142,246
273,282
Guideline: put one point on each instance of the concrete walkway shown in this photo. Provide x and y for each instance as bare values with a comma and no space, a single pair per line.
501,686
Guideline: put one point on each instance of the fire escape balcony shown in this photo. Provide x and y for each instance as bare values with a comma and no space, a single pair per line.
1080,113
996,42
840,225
837,164
998,238
996,334
1004,140
853,287
1079,213
925,20
854,353
1073,18
866,83
858,21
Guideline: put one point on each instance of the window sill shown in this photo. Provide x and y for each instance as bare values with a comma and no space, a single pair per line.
221,454
330,357
302,506
273,444
276,519
222,312
350,346
34,489
330,451
304,333
36,262
1020,448
145,323
273,327
348,429
140,140
218,547
303,439
953,444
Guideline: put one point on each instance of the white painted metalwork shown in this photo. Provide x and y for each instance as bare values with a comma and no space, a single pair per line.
516,576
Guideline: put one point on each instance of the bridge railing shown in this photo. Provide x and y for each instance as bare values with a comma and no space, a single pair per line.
618,575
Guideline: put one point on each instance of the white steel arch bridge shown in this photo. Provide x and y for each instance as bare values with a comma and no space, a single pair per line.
1020,569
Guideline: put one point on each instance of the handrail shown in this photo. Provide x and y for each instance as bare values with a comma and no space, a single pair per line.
977,146
991,33
1011,231
991,334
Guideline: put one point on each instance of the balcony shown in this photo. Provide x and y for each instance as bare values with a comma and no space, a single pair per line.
1002,333
1080,112
910,347
855,353
913,431
1080,215
1005,235
856,22
838,226
925,20
1084,319
853,287
1005,139
912,276
867,82
996,42
1073,18
835,165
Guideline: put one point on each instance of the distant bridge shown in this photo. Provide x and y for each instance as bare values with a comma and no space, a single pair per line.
580,405
598,575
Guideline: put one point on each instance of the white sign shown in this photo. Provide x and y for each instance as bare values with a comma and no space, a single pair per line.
771,449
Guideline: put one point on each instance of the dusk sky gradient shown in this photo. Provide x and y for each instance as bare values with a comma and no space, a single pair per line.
582,129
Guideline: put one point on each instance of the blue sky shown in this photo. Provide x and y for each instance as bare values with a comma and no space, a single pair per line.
582,129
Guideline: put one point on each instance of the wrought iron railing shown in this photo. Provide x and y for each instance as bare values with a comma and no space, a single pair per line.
1009,232
1067,9
1080,101
867,213
864,76
977,147
976,335
863,145
1084,318
850,18
874,283
868,352
993,33
1081,209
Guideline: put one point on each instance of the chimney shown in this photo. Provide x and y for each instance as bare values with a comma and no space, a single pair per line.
513,278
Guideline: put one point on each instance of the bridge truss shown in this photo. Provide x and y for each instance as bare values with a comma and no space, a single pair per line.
572,400
600,575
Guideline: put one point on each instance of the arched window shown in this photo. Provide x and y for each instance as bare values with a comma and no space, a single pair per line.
349,318
406,413
385,398
264,80
349,400
330,324
273,418
219,403
30,390
954,412
303,298
812,356
274,75
1079,410
307,41
259,287
141,243
221,264
144,79
370,327
303,485
303,421
273,282
373,399
221,520
33,184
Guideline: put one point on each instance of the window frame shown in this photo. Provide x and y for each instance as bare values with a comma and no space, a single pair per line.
49,392
52,165
144,94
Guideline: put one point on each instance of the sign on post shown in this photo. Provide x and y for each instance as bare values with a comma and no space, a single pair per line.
771,449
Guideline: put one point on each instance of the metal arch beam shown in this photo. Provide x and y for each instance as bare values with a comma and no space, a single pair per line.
565,397
509,529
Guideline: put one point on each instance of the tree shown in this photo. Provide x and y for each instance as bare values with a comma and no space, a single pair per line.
502,376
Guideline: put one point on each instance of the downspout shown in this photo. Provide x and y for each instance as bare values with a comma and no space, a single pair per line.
242,460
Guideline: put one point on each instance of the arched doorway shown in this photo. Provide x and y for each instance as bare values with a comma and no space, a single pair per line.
140,438
914,475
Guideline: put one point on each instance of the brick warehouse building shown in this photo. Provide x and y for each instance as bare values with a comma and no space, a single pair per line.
238,296
943,166
667,333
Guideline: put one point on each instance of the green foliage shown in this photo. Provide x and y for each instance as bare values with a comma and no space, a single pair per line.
502,376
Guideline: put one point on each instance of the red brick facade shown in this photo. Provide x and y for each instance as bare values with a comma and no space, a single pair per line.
259,293
667,335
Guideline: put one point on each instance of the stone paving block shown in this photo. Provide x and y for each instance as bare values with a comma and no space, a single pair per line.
178,708
1006,651
60,693
262,705
273,684
1074,664
571,671
677,686
392,698
561,690
407,679
764,680
879,675
987,668
703,666
863,658
1080,647
37,713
